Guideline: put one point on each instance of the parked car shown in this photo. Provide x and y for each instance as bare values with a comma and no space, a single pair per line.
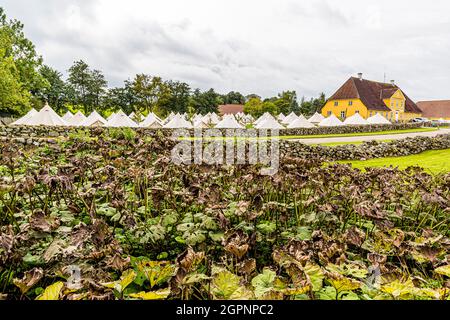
420,120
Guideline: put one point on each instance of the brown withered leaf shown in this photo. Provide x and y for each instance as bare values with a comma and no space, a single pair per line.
355,236
40,222
29,279
247,266
189,259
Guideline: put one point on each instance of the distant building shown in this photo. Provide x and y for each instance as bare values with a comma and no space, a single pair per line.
230,108
435,110
358,95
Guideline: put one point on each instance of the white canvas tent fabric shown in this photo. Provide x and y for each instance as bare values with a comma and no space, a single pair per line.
178,122
269,123
264,117
67,116
121,120
111,116
316,118
228,122
200,124
289,118
300,122
94,120
46,117
22,120
281,116
77,119
378,119
214,118
331,121
355,120
151,121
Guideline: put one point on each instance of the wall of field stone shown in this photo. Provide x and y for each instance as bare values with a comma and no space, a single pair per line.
49,132
367,150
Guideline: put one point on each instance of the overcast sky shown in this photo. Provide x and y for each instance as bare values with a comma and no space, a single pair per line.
253,46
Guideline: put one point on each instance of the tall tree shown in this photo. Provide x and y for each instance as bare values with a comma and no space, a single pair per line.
204,102
287,102
56,94
233,97
22,57
148,90
174,98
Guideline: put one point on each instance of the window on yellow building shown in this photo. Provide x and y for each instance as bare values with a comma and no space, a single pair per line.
329,113
336,103
370,114
342,114
356,111
350,103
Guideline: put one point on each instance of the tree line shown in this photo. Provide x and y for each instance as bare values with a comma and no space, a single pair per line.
25,82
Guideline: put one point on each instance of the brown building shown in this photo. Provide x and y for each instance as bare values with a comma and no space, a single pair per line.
435,110
230,108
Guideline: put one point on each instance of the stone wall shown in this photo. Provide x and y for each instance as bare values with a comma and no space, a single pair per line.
55,131
366,150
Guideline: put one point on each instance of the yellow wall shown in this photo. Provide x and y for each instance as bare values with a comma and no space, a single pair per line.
396,103
343,106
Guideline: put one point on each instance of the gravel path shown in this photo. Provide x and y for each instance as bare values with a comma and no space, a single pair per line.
375,137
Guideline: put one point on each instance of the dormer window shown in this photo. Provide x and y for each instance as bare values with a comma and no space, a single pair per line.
336,103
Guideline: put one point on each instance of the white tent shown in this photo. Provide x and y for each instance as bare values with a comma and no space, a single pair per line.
151,121
300,122
200,124
281,116
112,115
132,115
269,123
178,122
316,118
355,120
228,122
331,121
47,117
289,118
378,119
121,120
25,118
94,120
77,119
67,116
264,117
214,118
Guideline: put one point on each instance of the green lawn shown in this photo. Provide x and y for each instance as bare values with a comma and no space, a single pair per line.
334,144
357,134
434,161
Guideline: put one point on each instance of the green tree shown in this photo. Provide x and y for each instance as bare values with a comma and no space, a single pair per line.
233,97
254,107
148,91
313,105
120,98
175,98
56,94
204,102
287,102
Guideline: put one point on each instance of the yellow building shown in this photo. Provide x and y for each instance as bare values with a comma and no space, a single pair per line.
358,95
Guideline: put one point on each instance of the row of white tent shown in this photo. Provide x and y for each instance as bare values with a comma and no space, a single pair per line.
47,116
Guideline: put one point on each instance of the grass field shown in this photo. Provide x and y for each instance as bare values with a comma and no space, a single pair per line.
434,161
357,134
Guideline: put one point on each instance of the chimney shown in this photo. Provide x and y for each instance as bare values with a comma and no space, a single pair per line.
393,82
360,75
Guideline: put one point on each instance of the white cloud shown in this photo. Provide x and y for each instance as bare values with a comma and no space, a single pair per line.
252,46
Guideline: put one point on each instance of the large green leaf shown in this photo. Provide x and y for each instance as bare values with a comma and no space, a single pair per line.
444,270
152,295
226,285
315,274
127,277
263,283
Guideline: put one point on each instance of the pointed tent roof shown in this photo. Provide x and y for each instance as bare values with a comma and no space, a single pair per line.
132,115
355,119
121,120
269,123
199,123
47,117
151,121
178,122
228,122
77,119
25,118
316,118
300,122
111,116
289,118
264,117
94,119
67,116
281,116
378,119
331,121
214,118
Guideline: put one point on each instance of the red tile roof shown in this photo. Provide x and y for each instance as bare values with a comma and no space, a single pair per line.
230,108
371,93
435,109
